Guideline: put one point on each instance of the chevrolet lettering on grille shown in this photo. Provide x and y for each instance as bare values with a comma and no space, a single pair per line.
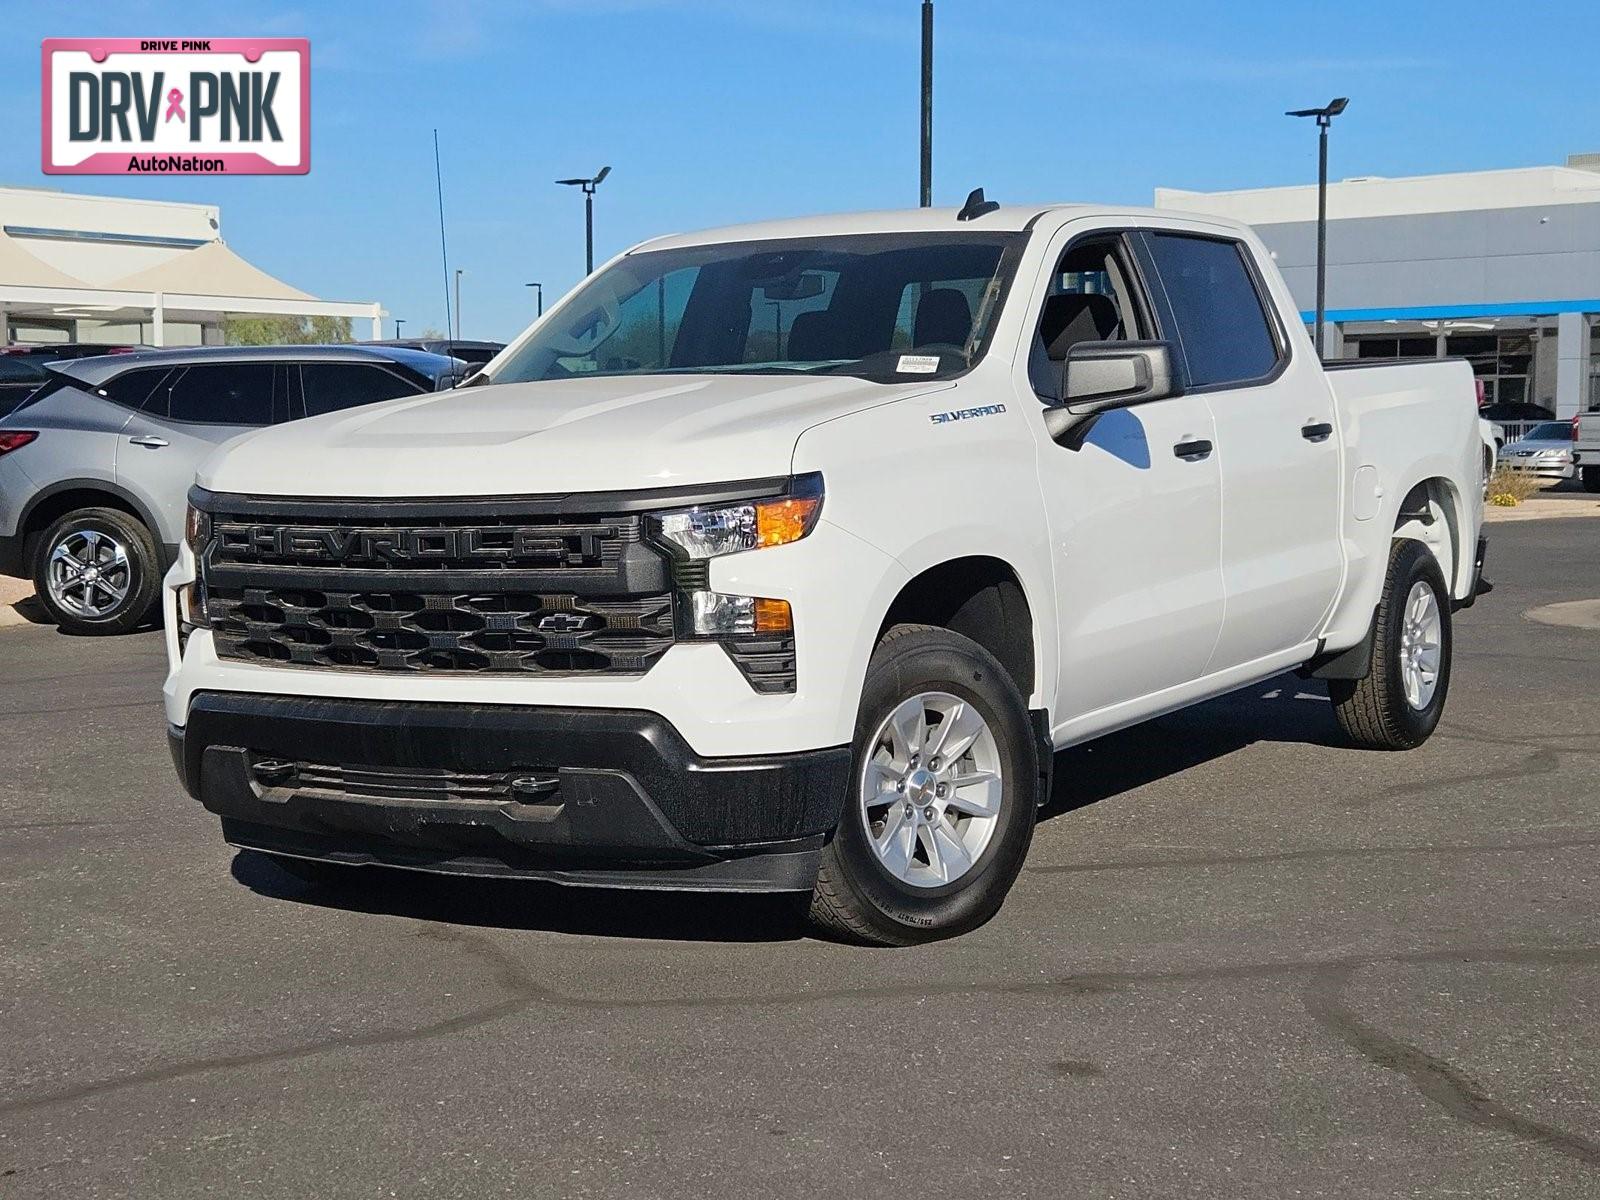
355,547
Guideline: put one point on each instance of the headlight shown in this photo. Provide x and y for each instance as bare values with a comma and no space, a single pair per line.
192,612
715,614
701,533
196,531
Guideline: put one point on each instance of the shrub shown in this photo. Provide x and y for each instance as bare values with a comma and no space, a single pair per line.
1508,488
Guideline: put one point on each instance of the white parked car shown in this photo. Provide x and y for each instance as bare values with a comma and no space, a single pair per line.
1545,450
782,557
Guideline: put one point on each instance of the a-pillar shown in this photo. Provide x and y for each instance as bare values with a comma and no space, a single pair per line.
1572,363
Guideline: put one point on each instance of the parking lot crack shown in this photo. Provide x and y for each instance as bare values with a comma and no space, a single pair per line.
1445,1085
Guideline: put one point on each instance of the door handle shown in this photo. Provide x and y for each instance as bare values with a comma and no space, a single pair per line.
149,441
1193,451
1317,431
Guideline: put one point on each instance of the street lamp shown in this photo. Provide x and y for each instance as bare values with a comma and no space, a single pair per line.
398,321
1324,118
539,292
460,271
588,186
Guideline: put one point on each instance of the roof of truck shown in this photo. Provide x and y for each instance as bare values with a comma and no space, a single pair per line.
1007,218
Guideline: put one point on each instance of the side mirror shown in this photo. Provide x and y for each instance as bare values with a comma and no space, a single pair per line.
1100,376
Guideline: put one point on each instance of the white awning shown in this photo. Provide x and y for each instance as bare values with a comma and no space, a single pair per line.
209,270
19,267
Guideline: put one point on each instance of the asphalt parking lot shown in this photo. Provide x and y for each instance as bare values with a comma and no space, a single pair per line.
1243,961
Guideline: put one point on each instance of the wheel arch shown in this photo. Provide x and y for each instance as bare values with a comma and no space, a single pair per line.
980,597
1420,512
65,495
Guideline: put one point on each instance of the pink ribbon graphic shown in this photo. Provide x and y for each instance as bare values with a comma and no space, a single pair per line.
175,106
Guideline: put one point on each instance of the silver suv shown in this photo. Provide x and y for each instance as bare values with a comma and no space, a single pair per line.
95,466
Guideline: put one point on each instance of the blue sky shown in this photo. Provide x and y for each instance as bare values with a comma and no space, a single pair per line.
729,110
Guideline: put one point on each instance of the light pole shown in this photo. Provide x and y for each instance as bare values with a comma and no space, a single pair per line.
1324,118
459,273
588,186
539,293
398,321
927,103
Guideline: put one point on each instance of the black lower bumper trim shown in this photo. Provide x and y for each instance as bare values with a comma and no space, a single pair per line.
793,870
620,799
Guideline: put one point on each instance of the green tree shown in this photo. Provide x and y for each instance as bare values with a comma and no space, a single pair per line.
286,331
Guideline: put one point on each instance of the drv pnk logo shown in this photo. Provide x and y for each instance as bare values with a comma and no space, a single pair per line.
193,106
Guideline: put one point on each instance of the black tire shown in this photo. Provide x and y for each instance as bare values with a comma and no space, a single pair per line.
1374,712
856,898
143,584
1591,479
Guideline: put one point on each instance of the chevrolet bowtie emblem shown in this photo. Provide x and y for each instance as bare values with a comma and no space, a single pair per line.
561,622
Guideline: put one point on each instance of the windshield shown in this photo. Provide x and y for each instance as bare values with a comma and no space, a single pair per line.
1550,431
881,306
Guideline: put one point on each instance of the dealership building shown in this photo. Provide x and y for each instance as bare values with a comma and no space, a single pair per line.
104,269
1499,267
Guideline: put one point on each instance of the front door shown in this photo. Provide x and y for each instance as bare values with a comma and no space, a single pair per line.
1134,514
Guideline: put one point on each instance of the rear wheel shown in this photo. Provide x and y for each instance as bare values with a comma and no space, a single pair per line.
1591,479
943,798
1398,704
97,571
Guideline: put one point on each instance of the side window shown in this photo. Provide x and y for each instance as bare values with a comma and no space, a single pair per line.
330,387
1091,298
1222,326
132,388
220,394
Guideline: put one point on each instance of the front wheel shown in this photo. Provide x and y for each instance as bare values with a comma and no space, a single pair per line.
943,796
1591,479
1398,704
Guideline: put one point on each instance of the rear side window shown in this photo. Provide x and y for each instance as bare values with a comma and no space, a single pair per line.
1222,326
223,394
133,388
330,387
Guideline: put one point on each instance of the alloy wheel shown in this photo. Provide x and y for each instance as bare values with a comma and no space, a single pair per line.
931,788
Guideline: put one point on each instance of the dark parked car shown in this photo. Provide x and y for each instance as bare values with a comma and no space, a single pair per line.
22,367
1516,412
95,466
476,353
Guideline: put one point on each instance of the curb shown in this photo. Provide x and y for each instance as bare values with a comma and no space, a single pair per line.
14,593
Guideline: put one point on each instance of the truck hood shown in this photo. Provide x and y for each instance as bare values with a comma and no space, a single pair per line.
612,433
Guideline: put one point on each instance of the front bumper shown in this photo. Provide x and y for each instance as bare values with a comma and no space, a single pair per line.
598,796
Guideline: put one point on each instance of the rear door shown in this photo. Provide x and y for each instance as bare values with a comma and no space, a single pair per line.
191,412
1276,442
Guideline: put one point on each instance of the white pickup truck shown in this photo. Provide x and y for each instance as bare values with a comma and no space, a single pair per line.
1586,449
782,557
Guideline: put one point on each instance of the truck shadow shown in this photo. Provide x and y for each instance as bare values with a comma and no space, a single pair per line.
1284,709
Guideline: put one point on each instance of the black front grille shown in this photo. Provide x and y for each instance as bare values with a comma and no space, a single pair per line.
514,586
428,631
